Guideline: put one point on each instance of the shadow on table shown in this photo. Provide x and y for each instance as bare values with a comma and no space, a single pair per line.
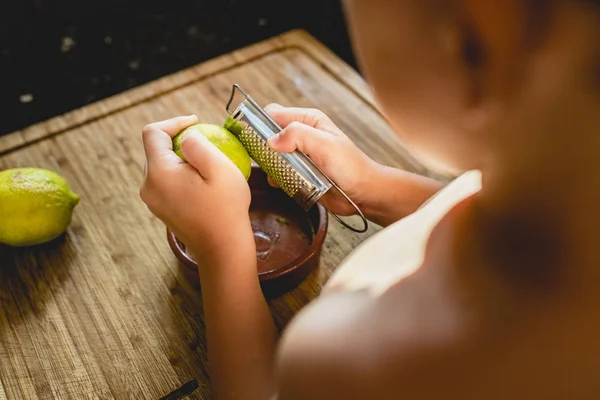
28,276
283,307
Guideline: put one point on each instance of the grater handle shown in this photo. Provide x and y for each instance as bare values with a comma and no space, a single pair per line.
359,212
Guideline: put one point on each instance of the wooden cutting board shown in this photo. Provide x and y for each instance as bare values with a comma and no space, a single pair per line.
106,312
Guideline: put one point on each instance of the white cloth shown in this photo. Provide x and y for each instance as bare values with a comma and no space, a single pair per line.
398,250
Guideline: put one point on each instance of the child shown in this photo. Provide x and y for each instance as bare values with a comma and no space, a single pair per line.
490,290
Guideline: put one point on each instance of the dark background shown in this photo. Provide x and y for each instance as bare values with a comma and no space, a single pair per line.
58,55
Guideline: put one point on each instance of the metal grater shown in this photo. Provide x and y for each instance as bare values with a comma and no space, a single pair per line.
295,173
274,165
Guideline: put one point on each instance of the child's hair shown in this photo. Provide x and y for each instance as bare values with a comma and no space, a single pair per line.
537,9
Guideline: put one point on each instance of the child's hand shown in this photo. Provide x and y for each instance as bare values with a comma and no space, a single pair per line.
313,133
205,201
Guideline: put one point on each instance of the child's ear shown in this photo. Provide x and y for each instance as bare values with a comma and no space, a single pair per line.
493,53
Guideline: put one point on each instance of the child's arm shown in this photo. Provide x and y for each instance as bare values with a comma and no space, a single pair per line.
205,203
395,194
383,193
240,332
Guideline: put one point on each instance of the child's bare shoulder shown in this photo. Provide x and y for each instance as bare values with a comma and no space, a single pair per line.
435,334
353,345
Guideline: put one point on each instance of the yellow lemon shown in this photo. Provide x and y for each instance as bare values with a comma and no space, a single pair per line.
36,206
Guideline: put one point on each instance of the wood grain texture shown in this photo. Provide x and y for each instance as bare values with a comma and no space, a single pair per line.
105,312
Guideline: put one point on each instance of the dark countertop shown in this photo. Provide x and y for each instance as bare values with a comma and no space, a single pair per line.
57,56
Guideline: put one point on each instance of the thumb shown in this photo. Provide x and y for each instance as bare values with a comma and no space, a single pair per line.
201,154
305,138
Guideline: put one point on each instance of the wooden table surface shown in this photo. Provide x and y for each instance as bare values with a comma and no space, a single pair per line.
106,311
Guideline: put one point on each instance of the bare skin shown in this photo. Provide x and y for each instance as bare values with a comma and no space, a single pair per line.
505,304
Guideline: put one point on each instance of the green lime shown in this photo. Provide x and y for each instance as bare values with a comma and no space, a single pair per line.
223,140
36,206
233,126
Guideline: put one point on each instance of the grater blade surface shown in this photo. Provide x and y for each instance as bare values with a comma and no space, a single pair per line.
271,162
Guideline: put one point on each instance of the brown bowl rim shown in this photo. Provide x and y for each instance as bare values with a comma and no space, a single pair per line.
313,251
